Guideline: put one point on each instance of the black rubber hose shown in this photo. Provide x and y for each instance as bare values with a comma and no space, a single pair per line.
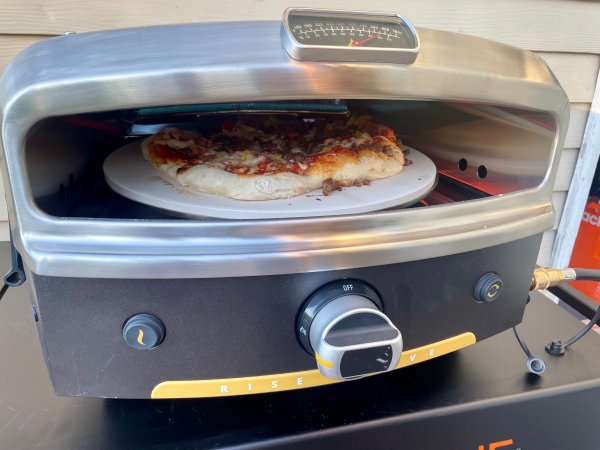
587,328
3,291
587,274
558,347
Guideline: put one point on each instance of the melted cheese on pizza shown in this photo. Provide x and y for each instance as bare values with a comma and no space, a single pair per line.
349,151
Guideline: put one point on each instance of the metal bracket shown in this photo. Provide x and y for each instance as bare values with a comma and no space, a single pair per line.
16,275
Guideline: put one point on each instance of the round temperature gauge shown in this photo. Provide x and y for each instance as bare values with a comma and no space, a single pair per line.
328,35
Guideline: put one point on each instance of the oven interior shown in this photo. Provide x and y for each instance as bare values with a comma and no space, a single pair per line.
479,150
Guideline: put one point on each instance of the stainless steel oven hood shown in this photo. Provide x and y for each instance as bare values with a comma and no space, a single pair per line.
229,62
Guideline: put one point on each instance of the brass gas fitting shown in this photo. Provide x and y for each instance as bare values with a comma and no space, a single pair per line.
545,278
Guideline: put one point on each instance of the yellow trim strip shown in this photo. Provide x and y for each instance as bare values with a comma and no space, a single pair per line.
295,380
430,351
324,363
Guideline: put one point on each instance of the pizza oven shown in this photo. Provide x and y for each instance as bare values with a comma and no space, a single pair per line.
137,296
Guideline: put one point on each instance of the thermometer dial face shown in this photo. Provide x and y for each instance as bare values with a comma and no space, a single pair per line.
321,35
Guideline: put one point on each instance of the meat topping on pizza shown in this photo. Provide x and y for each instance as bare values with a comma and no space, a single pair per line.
262,146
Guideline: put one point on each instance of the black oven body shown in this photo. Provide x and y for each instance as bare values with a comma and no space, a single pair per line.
223,328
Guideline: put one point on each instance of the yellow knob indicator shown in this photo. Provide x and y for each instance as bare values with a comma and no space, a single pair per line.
140,337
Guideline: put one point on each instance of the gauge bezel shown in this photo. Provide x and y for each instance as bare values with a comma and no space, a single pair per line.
311,52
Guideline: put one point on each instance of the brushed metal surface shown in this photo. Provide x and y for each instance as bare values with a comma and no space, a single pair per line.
334,312
197,63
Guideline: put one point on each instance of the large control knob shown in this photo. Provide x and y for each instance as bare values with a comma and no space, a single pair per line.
343,326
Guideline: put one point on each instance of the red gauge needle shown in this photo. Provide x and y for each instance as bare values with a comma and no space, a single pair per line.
364,41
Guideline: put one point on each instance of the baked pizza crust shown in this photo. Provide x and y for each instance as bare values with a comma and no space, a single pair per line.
369,165
247,187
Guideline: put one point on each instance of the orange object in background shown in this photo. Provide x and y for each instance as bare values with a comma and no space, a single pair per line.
586,252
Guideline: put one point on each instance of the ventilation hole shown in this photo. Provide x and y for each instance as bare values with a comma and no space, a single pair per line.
462,164
71,180
482,172
63,194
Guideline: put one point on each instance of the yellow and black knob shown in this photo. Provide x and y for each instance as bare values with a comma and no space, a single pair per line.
143,331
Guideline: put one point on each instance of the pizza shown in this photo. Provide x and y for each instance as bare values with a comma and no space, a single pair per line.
266,158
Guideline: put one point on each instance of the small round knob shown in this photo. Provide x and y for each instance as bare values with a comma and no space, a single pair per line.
143,331
343,327
488,288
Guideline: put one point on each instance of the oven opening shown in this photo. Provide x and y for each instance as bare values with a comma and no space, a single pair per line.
478,150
